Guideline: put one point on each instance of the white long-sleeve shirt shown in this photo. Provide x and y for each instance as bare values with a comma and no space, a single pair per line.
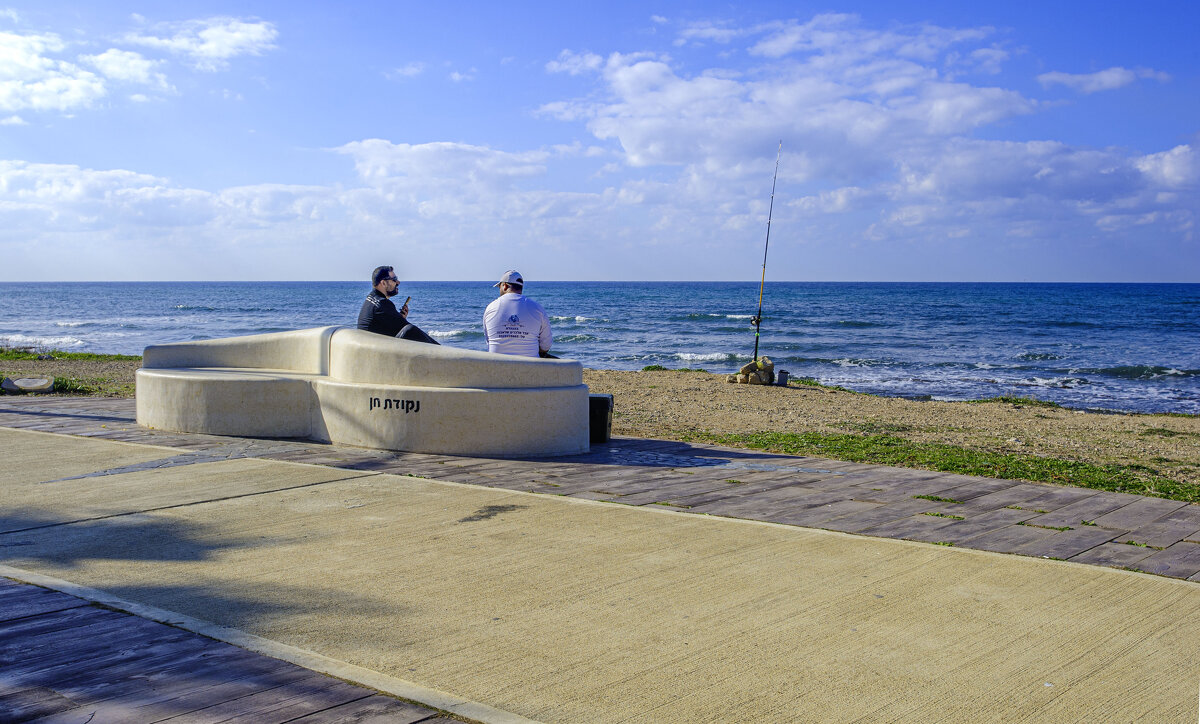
515,324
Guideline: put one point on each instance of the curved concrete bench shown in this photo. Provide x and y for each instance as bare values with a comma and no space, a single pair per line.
335,384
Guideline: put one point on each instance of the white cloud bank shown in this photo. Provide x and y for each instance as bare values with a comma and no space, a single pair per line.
885,174
209,43
1109,79
38,72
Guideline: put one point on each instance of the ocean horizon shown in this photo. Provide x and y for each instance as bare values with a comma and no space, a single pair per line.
1103,346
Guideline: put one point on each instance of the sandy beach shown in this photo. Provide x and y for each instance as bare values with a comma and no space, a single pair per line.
678,405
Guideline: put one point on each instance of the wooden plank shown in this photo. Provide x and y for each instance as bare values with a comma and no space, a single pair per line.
1006,539
815,516
1162,535
1089,508
34,631
1116,555
980,524
1181,560
1066,544
37,607
30,703
102,677
67,648
176,695
866,521
1015,494
1141,512
374,709
913,527
35,601
306,694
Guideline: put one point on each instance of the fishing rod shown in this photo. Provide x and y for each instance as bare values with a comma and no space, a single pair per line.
756,322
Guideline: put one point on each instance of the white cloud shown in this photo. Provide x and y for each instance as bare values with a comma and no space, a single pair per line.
1177,168
717,32
574,63
408,70
839,34
13,121
128,66
458,77
212,42
1103,80
30,79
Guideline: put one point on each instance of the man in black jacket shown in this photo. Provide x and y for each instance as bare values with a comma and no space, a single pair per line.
379,315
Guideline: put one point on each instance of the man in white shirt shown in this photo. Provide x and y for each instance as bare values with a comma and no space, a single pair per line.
514,323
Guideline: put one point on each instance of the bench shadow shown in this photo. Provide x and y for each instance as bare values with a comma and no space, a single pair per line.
39,543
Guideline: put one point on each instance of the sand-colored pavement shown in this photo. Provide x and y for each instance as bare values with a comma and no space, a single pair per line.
562,609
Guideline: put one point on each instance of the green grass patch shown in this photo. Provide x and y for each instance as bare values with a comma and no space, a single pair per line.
30,353
1165,432
874,427
946,543
1088,522
1012,400
1031,510
945,515
660,368
894,450
812,382
1141,545
936,499
1047,527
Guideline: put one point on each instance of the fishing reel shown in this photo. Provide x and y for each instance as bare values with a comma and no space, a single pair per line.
755,321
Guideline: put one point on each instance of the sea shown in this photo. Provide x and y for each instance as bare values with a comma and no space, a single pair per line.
1116,347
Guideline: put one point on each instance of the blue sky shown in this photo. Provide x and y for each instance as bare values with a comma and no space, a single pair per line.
922,141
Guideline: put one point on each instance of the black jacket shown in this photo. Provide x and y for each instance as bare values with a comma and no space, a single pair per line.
379,315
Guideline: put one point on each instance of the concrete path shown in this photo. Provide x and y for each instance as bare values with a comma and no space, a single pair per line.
1132,532
558,608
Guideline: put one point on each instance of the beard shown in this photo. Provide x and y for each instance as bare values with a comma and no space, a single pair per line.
392,293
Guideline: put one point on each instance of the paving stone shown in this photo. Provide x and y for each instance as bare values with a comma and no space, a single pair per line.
1115,555
1181,560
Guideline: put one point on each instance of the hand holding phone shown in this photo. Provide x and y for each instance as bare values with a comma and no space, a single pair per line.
404,307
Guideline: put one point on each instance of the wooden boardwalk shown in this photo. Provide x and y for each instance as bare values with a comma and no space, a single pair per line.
64,660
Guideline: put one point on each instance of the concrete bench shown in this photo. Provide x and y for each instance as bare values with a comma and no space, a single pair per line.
348,386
